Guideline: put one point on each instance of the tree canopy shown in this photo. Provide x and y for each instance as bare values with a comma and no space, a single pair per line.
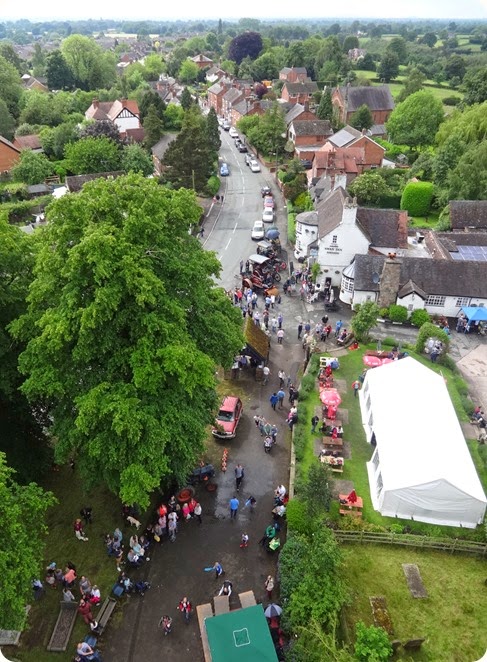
362,118
91,67
32,168
123,336
246,44
91,155
416,120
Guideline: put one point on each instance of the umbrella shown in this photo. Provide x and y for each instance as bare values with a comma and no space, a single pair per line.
330,396
372,361
272,233
272,611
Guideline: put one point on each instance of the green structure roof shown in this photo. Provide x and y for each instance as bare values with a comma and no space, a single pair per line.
239,636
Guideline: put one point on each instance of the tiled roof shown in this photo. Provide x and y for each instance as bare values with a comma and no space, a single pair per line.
293,113
346,160
468,214
312,127
301,88
441,277
386,227
28,142
232,95
345,136
110,110
330,211
7,143
76,182
376,98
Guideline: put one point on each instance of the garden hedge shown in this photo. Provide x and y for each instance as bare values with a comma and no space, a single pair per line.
417,197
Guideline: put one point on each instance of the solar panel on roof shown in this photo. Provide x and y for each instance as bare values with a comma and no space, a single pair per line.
474,253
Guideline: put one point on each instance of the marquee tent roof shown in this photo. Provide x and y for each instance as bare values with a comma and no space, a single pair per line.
475,313
426,468
240,636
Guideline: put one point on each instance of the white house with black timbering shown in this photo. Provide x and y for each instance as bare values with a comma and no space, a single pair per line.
124,113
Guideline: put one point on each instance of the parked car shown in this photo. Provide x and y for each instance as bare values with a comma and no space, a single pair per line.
265,190
226,126
228,418
258,231
242,148
269,201
233,132
268,215
224,171
254,166
248,159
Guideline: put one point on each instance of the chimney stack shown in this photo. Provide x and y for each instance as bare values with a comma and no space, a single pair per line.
96,103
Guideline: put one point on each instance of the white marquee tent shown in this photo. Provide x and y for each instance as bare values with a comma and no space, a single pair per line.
421,468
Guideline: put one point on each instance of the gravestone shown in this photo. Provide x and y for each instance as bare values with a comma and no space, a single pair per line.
414,581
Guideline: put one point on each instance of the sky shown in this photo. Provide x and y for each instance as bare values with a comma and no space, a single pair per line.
285,9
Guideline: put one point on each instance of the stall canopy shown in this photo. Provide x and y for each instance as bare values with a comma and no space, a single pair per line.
240,636
475,313
421,468
258,343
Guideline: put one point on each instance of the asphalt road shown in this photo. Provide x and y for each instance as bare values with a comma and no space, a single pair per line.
228,228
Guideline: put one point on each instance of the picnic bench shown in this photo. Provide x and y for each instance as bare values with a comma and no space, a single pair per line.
64,626
204,612
247,599
335,463
104,614
333,444
348,508
222,604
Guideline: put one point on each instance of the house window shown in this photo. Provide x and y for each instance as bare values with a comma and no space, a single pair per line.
334,239
463,301
435,300
347,284
410,307
380,484
375,459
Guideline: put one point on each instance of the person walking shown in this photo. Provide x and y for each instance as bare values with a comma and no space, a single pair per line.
218,570
85,610
274,400
280,336
274,324
314,422
239,475
279,320
300,330
241,267
244,541
307,326
234,504
282,378
185,609
280,397
338,326
266,371
172,526
197,513
356,387
269,586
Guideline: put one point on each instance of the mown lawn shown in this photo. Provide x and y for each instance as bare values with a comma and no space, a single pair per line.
453,618
428,222
440,91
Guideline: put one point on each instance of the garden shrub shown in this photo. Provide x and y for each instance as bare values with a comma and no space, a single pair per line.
384,313
297,517
213,185
429,330
307,386
419,317
389,341
417,197
303,202
451,101
390,201
398,313
300,440
371,643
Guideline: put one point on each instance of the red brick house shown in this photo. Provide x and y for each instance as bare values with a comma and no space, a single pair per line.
216,93
349,137
201,61
348,162
294,74
299,112
231,98
309,136
9,155
298,92
348,99
247,107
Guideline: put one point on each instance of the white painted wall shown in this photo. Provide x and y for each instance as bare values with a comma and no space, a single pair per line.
125,123
305,235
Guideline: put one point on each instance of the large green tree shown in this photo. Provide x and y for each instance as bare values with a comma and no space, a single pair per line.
10,87
153,126
416,120
123,336
325,107
475,86
245,44
33,168
189,160
188,71
91,155
136,159
413,83
468,181
91,67
269,133
362,118
59,76
388,67
213,130
7,122
22,529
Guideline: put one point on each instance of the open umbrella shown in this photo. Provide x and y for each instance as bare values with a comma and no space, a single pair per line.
330,396
272,233
272,611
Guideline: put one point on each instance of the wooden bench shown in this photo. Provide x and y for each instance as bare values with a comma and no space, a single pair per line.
332,463
346,511
247,599
222,604
64,626
104,614
204,612
354,509
332,444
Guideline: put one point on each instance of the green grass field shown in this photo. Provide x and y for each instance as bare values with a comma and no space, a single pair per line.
440,91
453,618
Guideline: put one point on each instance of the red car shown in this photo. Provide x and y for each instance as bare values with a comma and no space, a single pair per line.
269,202
228,418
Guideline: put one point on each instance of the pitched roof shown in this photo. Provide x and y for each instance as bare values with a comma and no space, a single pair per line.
312,127
232,95
28,142
76,182
307,218
468,214
376,98
201,58
160,147
330,211
7,143
301,88
256,339
216,88
110,110
386,228
346,160
345,136
293,113
298,70
441,277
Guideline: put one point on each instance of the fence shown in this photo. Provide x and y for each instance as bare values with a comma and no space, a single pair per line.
410,540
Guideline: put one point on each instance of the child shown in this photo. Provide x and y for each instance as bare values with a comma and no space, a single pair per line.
244,541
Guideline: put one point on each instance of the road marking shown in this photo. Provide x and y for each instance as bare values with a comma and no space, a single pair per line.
235,227
228,243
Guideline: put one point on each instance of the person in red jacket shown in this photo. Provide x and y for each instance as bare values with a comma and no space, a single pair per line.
185,608
85,610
